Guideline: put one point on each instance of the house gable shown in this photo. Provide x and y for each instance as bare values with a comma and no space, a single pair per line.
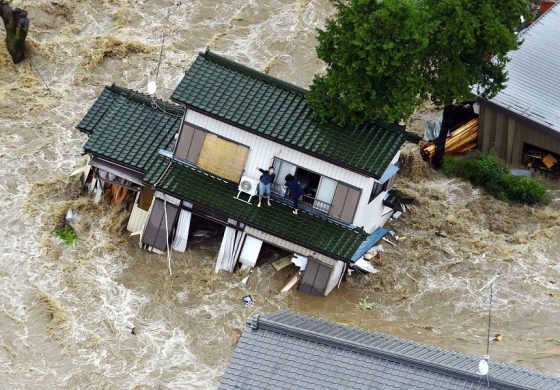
276,110
128,128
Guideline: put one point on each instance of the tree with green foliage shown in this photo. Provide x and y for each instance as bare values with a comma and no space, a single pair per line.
386,58
374,53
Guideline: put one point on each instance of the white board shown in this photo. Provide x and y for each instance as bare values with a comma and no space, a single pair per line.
250,251
137,219
182,232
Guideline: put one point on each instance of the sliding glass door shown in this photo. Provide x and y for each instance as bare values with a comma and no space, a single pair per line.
325,194
282,168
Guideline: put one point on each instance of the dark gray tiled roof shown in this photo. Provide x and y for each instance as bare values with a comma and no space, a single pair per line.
533,87
290,351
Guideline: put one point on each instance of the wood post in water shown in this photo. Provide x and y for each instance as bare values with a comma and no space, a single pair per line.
437,160
16,24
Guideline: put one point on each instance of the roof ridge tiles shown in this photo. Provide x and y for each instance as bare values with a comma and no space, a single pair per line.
289,324
167,107
253,73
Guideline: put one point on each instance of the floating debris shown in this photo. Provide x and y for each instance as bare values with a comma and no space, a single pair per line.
247,300
69,218
461,141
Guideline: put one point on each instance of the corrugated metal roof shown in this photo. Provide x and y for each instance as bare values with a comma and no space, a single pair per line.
290,351
533,86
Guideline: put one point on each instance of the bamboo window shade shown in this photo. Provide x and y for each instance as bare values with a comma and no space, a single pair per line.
223,158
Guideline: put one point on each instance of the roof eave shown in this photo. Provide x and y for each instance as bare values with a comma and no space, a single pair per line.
516,115
290,239
112,160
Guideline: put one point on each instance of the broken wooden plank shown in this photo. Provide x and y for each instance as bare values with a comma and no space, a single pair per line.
292,282
282,263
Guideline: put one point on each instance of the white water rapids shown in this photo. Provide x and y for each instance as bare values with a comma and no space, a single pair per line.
66,314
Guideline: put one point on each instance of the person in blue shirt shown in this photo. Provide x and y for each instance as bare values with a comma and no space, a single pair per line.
295,191
266,180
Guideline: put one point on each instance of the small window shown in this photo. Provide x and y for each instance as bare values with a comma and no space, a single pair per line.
385,182
389,183
376,190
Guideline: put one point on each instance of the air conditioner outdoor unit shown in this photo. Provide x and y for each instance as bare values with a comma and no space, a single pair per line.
248,186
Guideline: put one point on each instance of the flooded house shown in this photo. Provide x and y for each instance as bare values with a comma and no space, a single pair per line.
198,158
522,122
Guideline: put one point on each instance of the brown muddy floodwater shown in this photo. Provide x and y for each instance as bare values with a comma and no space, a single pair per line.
66,314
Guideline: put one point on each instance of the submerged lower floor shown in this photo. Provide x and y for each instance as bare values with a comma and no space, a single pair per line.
171,194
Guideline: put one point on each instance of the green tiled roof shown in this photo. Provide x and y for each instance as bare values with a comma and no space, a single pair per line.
278,110
202,189
128,127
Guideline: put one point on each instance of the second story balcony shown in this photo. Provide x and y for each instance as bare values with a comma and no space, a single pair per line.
322,195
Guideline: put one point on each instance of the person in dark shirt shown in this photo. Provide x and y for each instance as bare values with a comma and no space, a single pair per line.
295,191
266,180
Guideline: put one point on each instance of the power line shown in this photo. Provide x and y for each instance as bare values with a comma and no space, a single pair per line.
34,68
489,319
160,59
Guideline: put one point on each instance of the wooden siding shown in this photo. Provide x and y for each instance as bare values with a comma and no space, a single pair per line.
506,133
263,152
289,246
145,198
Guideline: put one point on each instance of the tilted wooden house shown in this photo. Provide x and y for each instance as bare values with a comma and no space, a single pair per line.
234,120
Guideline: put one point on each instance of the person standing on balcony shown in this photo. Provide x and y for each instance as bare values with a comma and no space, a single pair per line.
266,180
295,191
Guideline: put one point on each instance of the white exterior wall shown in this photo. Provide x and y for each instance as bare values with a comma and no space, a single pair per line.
370,216
336,276
263,151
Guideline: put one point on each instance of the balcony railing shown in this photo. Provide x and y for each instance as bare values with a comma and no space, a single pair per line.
306,202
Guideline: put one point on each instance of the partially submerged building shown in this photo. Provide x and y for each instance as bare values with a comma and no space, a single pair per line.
522,122
126,130
200,157
289,351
